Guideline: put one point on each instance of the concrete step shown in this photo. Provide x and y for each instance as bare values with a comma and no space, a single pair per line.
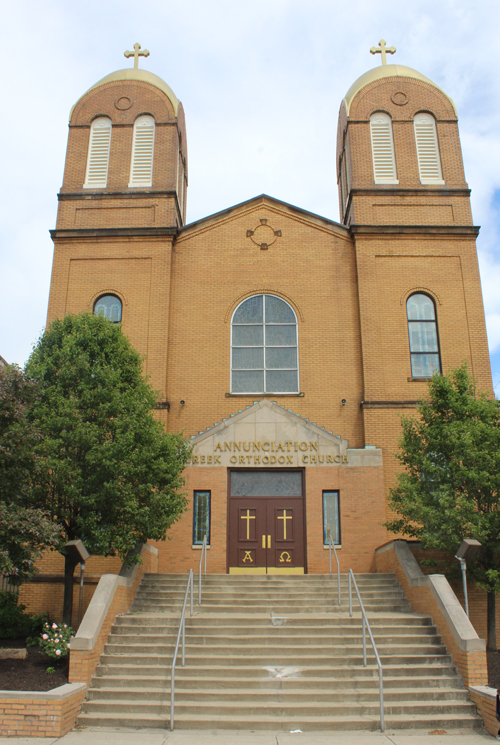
368,681
305,695
290,652
278,657
281,672
280,610
275,637
339,723
253,707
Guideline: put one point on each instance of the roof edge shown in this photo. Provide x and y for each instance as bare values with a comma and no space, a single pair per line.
263,197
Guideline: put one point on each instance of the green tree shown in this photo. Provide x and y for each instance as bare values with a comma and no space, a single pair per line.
112,473
24,531
450,488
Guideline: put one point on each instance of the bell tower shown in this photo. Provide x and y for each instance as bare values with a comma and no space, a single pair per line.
121,204
399,160
404,197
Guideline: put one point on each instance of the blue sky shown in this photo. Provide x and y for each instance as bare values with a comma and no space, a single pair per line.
261,84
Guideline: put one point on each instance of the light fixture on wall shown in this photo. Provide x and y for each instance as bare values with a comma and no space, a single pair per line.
344,401
182,402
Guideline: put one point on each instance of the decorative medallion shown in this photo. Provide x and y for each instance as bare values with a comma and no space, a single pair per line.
123,103
399,98
263,235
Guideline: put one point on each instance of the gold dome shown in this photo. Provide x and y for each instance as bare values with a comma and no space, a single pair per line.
136,74
388,71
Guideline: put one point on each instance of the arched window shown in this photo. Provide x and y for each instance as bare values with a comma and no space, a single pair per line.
110,307
422,330
384,163
141,169
429,164
98,157
264,353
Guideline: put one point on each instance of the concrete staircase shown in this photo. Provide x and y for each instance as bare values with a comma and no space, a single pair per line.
267,652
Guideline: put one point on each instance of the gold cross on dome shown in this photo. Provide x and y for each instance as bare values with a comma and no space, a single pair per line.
383,50
136,54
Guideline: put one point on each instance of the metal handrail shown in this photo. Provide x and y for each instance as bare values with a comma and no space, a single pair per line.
331,545
182,630
203,554
366,625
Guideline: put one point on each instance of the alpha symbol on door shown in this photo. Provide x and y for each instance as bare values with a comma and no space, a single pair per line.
248,557
285,556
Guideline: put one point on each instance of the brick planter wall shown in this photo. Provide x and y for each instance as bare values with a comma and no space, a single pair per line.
33,714
433,596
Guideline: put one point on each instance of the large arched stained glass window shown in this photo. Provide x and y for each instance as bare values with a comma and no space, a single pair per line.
422,330
264,353
110,307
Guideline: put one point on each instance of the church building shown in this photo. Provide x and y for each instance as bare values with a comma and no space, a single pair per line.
284,344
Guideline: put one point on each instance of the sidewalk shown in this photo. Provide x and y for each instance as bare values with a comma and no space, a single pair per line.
100,736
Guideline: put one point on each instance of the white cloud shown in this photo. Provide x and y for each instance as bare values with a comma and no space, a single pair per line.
261,84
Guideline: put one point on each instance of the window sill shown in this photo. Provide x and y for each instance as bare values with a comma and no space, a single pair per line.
261,395
419,380
199,547
326,546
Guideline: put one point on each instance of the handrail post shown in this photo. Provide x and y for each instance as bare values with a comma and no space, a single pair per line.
350,594
381,693
331,545
364,642
203,552
191,579
183,621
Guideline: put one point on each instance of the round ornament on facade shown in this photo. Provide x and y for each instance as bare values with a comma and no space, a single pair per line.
263,235
399,98
123,104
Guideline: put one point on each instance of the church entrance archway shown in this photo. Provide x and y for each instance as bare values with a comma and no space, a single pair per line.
266,522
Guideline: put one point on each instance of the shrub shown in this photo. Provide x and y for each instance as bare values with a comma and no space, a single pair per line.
14,622
55,640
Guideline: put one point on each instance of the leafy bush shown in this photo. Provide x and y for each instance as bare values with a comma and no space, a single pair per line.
14,622
55,640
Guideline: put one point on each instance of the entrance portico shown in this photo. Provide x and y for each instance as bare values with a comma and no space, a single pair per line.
267,486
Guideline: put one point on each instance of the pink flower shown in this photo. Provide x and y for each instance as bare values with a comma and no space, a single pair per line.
44,636
68,646
58,651
56,639
54,625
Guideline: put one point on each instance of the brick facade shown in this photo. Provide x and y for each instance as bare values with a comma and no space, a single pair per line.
347,283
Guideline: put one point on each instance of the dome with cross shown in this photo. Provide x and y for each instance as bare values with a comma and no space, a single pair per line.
136,73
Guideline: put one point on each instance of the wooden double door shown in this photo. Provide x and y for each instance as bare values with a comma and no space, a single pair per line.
266,535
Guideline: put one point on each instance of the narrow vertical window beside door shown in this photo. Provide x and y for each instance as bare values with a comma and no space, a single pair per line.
331,517
201,517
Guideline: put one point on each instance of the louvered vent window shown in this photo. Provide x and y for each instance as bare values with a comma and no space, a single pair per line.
429,164
98,159
384,164
141,171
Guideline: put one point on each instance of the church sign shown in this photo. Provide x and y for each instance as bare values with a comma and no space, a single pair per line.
265,435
